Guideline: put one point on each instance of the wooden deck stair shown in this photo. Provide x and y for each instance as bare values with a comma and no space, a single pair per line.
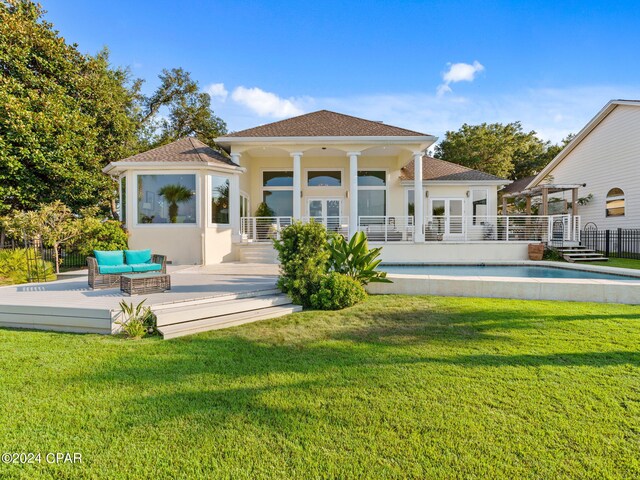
187,318
579,253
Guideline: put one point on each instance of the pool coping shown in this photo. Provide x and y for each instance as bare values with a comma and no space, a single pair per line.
522,288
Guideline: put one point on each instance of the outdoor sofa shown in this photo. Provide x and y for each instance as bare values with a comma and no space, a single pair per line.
106,267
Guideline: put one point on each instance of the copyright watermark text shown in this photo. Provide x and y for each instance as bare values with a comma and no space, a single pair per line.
36,457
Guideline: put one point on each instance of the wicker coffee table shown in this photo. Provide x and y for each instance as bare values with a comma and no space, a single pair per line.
139,283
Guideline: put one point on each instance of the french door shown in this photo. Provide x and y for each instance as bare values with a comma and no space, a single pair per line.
447,217
326,210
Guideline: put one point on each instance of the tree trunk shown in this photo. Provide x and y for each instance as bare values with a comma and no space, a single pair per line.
56,257
114,209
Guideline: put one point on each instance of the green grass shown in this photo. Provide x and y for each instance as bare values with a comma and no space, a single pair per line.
619,262
396,387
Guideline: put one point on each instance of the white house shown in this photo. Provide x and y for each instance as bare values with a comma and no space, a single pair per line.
604,160
348,173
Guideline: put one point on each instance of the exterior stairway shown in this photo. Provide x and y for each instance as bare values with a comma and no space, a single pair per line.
579,253
186,318
257,253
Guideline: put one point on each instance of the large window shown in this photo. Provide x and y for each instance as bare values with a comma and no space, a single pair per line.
372,193
167,198
123,200
277,192
328,178
219,200
479,206
615,203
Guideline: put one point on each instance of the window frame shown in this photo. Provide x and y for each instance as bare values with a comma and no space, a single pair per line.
323,169
385,188
607,199
475,220
210,222
136,215
264,188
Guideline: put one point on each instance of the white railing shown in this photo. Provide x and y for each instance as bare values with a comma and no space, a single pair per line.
485,228
387,228
263,229
337,224
498,228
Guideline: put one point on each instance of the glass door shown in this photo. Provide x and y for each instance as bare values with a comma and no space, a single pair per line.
327,211
447,218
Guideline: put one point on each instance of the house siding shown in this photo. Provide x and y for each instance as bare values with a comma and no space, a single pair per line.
607,158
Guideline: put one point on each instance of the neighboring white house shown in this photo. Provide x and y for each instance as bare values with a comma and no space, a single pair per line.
348,173
605,157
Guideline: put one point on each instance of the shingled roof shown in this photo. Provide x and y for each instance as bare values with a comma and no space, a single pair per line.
436,169
518,185
183,150
324,123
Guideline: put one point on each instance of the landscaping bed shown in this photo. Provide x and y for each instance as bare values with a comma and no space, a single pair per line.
396,386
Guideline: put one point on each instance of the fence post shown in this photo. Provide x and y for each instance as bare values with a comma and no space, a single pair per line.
507,231
606,243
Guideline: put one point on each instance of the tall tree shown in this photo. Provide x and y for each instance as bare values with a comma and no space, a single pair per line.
502,150
188,109
63,115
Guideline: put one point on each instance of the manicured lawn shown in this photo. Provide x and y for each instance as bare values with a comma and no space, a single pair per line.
619,262
419,387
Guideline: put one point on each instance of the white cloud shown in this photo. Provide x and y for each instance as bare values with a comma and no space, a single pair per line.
267,104
217,90
459,72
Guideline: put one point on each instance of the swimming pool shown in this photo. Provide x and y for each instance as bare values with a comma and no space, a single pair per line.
519,271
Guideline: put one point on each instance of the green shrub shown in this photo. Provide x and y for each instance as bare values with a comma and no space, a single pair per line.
136,321
14,267
303,254
98,235
355,259
337,291
552,254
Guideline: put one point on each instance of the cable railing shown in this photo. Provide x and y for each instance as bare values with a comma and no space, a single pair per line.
263,229
387,228
498,228
552,229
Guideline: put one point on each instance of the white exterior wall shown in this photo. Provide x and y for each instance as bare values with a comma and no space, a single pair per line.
607,158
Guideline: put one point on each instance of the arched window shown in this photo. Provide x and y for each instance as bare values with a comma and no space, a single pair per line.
615,203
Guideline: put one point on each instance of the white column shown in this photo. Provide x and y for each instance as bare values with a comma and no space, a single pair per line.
234,201
297,189
418,195
353,192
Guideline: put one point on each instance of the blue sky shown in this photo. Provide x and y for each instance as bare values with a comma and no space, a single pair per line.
429,66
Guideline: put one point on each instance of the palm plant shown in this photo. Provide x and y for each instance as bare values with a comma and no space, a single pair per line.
175,194
355,259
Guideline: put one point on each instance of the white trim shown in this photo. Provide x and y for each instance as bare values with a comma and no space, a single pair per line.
387,140
137,224
323,169
164,166
432,183
582,134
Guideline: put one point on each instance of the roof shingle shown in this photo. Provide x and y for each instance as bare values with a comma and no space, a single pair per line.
436,169
183,150
325,123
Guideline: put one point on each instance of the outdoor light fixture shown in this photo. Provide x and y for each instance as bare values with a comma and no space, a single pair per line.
468,193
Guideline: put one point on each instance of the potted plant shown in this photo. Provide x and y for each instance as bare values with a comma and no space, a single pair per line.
536,251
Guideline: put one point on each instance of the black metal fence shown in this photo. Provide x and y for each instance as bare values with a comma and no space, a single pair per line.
69,259
618,243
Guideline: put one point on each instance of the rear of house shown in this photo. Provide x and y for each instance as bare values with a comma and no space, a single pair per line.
200,206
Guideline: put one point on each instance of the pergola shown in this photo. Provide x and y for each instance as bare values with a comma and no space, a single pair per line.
544,190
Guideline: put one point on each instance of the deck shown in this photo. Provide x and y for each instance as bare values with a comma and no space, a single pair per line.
68,304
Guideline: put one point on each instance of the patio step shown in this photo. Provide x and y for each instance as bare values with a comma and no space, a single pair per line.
186,319
578,253
257,253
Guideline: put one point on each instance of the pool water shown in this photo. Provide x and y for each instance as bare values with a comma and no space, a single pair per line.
522,271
